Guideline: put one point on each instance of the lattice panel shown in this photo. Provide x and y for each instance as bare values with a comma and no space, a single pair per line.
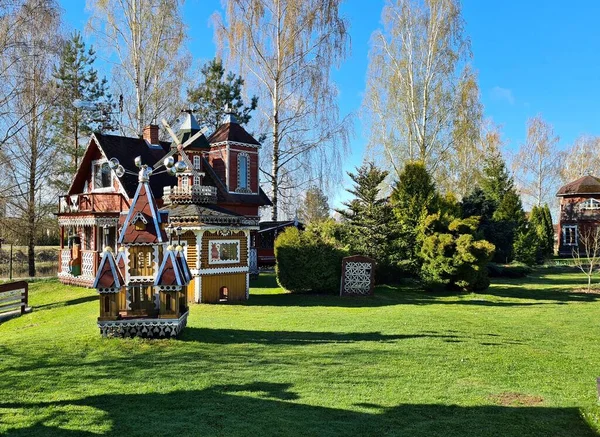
357,278
87,264
253,261
65,257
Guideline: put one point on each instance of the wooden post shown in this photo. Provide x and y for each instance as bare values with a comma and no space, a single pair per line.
25,299
10,263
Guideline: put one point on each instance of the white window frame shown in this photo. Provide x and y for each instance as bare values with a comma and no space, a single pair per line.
246,187
196,162
99,163
590,204
572,228
211,260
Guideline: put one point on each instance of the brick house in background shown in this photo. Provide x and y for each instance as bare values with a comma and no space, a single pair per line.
216,207
579,211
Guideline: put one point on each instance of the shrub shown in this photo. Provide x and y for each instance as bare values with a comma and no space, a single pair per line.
513,270
452,255
526,246
46,255
307,261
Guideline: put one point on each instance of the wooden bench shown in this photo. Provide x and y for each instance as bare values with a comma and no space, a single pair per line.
14,297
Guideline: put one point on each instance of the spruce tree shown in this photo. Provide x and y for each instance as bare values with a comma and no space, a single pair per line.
76,79
368,215
216,92
315,207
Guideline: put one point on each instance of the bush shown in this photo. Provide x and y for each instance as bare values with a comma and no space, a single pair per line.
513,270
525,247
452,256
308,261
46,255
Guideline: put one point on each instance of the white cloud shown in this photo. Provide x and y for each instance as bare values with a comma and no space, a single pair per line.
500,94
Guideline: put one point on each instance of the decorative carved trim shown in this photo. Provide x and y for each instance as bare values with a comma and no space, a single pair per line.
235,143
222,270
149,328
88,221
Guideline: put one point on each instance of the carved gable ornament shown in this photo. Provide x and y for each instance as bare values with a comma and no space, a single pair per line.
358,276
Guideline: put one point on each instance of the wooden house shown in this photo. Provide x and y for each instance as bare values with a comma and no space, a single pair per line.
579,212
215,205
142,290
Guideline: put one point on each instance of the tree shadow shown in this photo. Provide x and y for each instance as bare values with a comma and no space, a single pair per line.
62,303
266,408
299,338
552,291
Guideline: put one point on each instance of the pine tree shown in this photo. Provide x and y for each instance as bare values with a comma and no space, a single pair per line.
76,79
315,207
368,215
550,230
218,91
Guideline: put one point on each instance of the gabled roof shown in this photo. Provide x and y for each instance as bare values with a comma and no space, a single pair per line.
125,149
169,272
108,275
586,185
233,132
143,205
183,265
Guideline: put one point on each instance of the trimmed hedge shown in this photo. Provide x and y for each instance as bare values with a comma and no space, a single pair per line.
515,270
307,263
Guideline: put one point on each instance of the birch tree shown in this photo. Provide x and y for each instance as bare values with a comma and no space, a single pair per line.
538,162
413,82
580,159
286,50
145,41
28,157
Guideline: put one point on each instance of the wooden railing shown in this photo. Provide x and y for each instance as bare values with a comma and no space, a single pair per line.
91,202
14,296
191,194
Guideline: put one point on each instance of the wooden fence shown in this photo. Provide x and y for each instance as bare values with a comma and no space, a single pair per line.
13,297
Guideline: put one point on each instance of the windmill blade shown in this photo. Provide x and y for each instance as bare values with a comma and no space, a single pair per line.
159,163
173,136
195,137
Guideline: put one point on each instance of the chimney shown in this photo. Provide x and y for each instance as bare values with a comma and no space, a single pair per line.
151,133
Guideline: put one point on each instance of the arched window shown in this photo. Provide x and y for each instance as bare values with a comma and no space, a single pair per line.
197,162
243,163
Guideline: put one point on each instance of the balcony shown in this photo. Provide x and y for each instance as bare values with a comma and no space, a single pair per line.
91,202
190,194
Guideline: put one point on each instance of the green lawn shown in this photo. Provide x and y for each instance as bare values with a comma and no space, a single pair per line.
520,360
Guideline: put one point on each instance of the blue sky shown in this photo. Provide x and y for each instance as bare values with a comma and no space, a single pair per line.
531,56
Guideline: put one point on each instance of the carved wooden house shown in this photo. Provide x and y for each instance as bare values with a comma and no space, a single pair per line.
142,291
579,212
215,203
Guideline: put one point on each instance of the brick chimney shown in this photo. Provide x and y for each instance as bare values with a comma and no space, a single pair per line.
151,133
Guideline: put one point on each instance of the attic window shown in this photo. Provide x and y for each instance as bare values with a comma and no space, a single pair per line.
102,175
590,204
139,221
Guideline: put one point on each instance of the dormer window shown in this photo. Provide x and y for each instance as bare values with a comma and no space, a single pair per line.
102,175
139,221
590,204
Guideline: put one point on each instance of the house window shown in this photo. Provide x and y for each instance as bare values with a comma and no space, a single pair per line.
102,175
243,171
106,304
185,181
224,251
569,234
196,180
87,238
197,162
590,204
107,236
168,302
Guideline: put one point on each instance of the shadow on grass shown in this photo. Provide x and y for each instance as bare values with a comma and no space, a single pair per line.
538,288
264,408
238,336
77,301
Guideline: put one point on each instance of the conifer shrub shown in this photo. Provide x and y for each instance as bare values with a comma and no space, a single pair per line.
453,255
308,261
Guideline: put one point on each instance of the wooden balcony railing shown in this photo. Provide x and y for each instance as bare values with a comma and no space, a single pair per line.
91,202
190,194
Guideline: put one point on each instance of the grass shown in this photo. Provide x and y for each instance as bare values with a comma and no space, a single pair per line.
519,360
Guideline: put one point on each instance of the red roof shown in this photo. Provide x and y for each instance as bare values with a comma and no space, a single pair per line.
108,275
169,272
586,185
232,132
143,209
